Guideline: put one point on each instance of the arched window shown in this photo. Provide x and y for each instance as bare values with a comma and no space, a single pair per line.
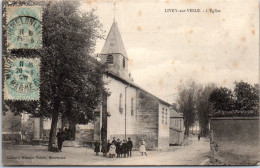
120,103
124,62
132,106
163,116
110,59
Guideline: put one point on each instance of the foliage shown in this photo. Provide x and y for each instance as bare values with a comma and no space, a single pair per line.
204,108
244,97
247,96
71,80
222,99
187,104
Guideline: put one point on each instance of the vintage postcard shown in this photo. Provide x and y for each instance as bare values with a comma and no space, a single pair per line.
130,83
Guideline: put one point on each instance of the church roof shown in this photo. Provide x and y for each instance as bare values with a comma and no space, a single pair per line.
114,42
132,84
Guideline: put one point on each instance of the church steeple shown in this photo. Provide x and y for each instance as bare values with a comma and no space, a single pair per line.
114,53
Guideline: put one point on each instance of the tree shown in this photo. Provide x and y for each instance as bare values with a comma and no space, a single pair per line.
187,105
222,99
247,96
71,80
204,108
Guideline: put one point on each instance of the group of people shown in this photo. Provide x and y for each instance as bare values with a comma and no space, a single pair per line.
116,148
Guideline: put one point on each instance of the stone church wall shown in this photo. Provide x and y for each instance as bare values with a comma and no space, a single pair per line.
117,119
147,120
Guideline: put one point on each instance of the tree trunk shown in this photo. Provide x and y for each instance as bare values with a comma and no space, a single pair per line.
187,130
52,136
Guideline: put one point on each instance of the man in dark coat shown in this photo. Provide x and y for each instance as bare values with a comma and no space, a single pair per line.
114,140
125,148
97,147
118,148
130,147
60,137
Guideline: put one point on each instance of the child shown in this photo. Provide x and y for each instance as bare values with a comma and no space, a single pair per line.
142,148
97,147
112,150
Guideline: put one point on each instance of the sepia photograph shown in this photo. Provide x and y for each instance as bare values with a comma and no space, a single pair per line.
130,83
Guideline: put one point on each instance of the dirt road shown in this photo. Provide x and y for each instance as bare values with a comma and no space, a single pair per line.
196,153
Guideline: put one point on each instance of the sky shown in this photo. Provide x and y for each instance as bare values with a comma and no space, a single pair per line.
167,49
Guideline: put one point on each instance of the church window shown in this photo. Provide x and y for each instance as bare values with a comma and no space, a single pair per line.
123,62
132,106
120,103
110,59
163,116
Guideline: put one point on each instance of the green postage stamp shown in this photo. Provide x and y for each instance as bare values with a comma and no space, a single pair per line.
22,79
24,27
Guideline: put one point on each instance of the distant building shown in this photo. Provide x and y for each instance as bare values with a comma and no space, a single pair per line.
176,128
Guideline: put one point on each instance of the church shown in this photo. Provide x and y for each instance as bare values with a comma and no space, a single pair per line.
129,110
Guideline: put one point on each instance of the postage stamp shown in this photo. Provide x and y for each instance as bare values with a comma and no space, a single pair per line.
24,27
22,79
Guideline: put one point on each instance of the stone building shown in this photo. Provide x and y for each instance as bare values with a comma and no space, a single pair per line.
129,111
176,128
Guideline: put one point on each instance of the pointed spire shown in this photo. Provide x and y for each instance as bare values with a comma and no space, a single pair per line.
114,43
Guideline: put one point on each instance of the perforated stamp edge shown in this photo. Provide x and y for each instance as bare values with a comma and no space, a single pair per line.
41,21
7,97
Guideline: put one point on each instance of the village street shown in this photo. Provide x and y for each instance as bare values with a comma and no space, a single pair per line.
196,153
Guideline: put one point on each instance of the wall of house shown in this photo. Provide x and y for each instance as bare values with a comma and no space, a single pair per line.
164,123
116,121
236,139
176,131
147,120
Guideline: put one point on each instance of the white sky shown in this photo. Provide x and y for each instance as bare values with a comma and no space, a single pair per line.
167,49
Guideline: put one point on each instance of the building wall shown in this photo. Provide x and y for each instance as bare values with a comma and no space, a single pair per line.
164,123
237,139
116,121
176,131
147,120
117,66
84,133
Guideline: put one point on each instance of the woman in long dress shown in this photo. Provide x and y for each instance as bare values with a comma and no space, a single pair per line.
142,148
112,150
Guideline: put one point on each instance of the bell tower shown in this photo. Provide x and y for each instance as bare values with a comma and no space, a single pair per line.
114,54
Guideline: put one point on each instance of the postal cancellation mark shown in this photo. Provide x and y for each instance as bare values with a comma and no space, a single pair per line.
22,79
24,27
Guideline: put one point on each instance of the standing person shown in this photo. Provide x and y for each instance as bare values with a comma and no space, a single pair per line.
142,148
60,138
108,145
112,150
117,148
104,147
199,137
124,148
114,140
97,147
130,147
121,149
